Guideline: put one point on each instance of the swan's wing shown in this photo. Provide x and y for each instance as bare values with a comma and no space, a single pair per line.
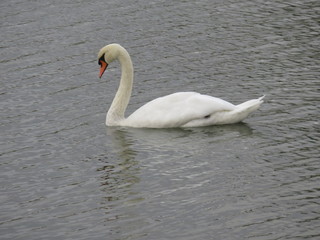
176,110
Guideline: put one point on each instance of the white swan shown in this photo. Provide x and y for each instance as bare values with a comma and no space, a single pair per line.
181,109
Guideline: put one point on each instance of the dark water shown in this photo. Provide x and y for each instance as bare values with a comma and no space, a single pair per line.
64,175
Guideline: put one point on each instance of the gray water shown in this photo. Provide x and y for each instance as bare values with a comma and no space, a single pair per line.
65,175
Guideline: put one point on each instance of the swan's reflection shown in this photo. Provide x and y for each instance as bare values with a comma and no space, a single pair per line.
129,149
119,173
120,165
127,143
135,140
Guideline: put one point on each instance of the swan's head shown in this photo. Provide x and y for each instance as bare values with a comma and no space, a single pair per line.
107,55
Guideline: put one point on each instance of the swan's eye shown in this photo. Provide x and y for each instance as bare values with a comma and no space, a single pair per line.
101,59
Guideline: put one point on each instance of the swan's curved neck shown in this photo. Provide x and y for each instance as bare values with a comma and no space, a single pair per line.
122,97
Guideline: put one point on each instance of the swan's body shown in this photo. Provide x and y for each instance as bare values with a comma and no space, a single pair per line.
181,109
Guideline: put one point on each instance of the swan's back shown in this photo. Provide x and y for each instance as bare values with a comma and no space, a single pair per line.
177,110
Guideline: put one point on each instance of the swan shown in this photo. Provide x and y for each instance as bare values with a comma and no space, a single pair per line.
181,109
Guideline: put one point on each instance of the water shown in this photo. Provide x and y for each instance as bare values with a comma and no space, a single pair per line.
64,175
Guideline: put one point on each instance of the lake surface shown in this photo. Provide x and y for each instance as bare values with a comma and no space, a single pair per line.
65,175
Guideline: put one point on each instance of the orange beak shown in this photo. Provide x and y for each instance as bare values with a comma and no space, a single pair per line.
103,67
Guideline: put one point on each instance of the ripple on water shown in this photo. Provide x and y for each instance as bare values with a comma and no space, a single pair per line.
65,176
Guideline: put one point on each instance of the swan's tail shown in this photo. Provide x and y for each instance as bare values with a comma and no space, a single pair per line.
250,105
244,109
240,112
